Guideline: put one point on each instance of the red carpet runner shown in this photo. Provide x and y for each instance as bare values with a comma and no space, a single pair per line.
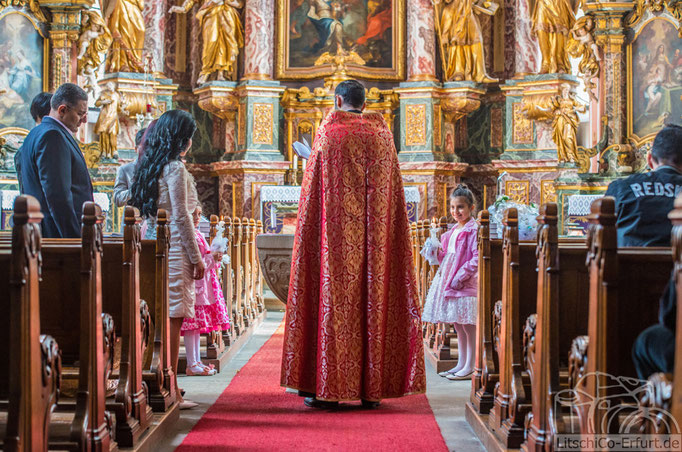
254,413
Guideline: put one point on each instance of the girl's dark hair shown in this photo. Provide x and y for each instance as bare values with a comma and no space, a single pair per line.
164,143
464,191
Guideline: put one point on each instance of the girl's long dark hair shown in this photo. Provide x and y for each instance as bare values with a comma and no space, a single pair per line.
164,143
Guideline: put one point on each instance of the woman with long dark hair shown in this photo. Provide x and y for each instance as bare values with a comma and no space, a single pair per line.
161,181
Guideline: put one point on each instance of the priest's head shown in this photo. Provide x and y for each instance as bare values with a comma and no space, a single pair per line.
349,95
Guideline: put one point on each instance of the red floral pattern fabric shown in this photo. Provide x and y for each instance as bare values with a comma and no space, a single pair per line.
353,326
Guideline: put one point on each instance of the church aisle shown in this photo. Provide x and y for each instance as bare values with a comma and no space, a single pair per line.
256,414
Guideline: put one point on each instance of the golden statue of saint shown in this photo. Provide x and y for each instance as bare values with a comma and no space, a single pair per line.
107,125
563,110
552,23
461,40
222,34
126,24
565,124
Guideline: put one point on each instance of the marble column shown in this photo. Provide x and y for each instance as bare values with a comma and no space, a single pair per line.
421,41
155,33
259,32
521,52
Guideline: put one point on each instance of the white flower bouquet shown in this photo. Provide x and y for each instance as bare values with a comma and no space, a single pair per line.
528,214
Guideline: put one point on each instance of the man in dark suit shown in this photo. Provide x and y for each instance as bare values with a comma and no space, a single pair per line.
53,169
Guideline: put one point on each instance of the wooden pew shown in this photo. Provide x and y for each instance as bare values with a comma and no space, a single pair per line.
158,373
519,289
562,305
489,291
259,272
63,292
625,287
30,363
121,299
227,282
238,272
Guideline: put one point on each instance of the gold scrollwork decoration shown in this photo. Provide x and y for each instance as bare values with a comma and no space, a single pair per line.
547,191
415,124
522,125
518,191
262,123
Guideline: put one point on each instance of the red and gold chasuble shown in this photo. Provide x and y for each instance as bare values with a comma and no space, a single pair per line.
353,327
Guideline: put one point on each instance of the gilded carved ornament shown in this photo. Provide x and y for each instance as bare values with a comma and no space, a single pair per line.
455,108
673,7
32,5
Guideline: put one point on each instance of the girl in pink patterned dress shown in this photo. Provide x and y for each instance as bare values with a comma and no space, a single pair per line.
452,297
210,312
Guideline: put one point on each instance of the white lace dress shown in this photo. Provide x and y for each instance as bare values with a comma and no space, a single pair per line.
178,196
438,308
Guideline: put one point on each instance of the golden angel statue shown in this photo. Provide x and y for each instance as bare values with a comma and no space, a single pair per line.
563,110
126,24
581,45
93,43
223,36
552,23
107,125
461,42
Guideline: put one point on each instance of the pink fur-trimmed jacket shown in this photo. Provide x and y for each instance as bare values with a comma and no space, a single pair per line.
462,281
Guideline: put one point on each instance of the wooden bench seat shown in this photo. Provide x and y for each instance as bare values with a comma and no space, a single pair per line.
30,363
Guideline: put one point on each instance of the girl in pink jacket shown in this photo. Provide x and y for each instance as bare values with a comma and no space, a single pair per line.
210,312
452,297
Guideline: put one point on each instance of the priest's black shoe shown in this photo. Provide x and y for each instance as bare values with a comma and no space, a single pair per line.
369,404
312,402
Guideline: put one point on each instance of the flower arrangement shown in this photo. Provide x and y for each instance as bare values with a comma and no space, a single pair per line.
528,214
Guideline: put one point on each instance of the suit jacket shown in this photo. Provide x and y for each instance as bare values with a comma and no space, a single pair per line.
53,170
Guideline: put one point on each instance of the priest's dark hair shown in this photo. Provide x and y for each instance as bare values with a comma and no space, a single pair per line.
352,92
667,147
40,106
164,143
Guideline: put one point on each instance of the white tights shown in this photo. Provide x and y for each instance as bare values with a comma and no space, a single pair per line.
466,343
192,350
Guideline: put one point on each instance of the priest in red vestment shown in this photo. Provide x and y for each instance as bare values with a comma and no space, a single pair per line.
353,329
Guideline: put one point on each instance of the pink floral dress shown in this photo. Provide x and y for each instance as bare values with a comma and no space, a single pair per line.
210,311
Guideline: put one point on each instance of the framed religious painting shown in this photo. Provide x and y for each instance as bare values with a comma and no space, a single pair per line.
23,68
315,37
654,78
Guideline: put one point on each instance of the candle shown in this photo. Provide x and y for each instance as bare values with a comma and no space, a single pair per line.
303,162
295,161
